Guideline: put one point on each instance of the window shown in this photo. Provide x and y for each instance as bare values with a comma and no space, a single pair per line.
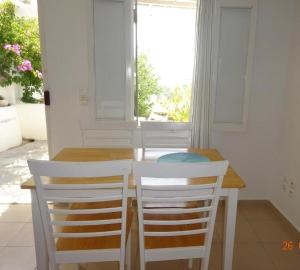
111,59
165,58
234,45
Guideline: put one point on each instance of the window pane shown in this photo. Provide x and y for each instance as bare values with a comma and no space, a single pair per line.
165,41
232,64
110,65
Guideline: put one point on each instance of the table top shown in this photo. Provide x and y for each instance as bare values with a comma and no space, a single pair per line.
231,179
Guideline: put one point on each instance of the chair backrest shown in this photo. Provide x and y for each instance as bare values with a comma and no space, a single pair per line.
178,199
108,134
76,183
110,138
166,134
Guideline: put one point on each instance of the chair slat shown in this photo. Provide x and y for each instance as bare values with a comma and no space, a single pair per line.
80,169
87,234
79,200
175,233
86,222
166,134
176,222
82,186
176,210
180,170
178,199
178,187
84,211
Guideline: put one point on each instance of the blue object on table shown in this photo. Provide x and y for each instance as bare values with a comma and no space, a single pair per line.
182,157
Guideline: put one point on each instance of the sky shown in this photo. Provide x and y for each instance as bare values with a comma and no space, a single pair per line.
166,36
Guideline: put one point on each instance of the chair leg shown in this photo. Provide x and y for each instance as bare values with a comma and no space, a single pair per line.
204,264
142,259
54,266
79,266
128,252
190,263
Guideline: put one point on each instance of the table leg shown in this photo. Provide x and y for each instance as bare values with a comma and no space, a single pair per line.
229,228
42,261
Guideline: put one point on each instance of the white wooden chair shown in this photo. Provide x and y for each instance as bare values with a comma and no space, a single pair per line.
183,224
114,134
108,138
91,227
166,134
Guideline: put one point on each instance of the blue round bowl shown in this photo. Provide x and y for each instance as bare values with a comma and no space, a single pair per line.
182,157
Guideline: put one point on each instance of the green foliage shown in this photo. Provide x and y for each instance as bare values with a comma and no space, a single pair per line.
175,101
147,87
177,104
22,32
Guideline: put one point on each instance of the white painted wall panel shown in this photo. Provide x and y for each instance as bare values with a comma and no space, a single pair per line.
110,62
232,64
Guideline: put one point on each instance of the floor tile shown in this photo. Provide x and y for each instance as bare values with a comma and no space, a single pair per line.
220,212
244,233
23,238
250,256
8,231
216,233
215,260
16,213
258,211
273,232
3,208
17,258
285,260
104,265
74,267
168,265
14,170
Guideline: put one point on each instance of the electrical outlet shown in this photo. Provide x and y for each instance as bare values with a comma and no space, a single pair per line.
291,194
292,185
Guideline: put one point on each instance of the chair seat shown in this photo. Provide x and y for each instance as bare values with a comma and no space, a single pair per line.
106,242
152,242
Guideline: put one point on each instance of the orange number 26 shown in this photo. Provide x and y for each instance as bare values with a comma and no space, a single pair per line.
287,245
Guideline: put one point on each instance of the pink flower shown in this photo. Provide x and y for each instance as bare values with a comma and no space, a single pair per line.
25,66
39,74
16,49
7,47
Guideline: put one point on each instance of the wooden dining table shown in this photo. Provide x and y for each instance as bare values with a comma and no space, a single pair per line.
231,185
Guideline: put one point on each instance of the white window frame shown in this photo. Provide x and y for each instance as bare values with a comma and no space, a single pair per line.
231,126
91,93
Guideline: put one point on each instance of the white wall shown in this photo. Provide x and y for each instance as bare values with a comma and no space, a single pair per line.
257,153
290,206
64,36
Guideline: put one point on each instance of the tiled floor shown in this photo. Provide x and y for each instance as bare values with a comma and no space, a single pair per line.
258,246
14,170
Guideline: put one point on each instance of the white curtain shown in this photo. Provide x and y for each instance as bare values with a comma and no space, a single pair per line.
202,74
